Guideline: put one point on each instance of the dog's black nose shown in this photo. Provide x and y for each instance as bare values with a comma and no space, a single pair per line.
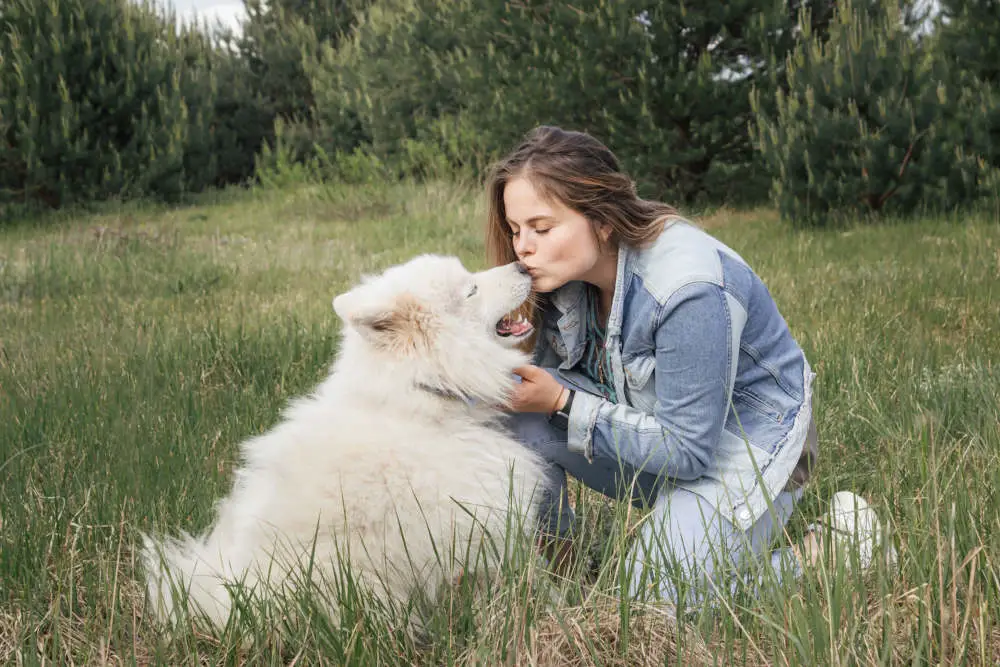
522,269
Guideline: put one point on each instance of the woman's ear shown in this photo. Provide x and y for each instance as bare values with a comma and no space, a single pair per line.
604,231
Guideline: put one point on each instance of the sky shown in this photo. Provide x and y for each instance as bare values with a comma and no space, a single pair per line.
228,11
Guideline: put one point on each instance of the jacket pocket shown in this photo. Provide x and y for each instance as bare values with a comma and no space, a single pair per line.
758,404
638,371
556,343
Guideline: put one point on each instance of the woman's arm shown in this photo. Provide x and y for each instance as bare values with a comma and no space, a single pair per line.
697,345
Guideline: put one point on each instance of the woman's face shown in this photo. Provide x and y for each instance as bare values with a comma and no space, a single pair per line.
554,242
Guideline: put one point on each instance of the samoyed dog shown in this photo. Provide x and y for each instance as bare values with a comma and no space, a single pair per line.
396,464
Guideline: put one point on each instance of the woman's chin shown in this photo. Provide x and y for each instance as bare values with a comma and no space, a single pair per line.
545,286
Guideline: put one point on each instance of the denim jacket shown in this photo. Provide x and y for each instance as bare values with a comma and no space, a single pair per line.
714,392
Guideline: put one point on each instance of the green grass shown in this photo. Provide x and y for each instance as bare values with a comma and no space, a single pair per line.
139,346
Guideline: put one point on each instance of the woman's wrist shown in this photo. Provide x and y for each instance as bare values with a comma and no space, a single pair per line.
560,401
565,401
559,417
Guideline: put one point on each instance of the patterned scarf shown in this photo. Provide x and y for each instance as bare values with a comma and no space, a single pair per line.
595,363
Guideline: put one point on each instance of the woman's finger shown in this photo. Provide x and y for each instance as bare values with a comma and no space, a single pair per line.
527,372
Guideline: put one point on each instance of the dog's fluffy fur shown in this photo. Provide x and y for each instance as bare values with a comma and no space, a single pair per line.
396,462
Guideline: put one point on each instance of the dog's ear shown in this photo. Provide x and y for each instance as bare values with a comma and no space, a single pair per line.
398,322
356,305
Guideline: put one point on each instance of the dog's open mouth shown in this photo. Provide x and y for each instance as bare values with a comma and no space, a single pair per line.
514,326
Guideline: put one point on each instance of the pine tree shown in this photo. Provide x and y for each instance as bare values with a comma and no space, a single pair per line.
868,126
398,80
666,84
280,42
92,102
967,38
229,121
969,34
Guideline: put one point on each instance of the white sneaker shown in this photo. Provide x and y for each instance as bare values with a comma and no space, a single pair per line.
853,526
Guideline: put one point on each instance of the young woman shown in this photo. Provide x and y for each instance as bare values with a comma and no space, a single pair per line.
662,370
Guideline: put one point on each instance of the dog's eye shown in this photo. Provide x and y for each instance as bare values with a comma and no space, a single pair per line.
472,292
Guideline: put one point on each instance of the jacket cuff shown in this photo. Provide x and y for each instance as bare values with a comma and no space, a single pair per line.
582,417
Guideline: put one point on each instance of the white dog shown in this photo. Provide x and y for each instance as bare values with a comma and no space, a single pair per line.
395,462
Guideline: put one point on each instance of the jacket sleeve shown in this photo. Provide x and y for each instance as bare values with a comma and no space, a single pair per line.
696,348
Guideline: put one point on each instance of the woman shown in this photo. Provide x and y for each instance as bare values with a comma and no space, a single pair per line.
662,370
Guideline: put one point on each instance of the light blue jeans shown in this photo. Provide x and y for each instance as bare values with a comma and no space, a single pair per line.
685,551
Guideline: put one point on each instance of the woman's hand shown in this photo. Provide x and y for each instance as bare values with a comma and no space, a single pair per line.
537,392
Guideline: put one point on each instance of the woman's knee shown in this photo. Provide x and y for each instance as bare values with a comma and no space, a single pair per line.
687,542
682,545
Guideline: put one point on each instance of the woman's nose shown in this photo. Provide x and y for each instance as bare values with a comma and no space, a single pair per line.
522,245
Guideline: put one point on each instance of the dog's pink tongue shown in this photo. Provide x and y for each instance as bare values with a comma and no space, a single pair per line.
520,328
509,327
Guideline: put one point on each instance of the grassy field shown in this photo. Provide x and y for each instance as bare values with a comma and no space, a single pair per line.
139,346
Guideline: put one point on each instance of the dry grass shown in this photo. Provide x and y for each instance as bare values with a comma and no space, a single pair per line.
594,634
